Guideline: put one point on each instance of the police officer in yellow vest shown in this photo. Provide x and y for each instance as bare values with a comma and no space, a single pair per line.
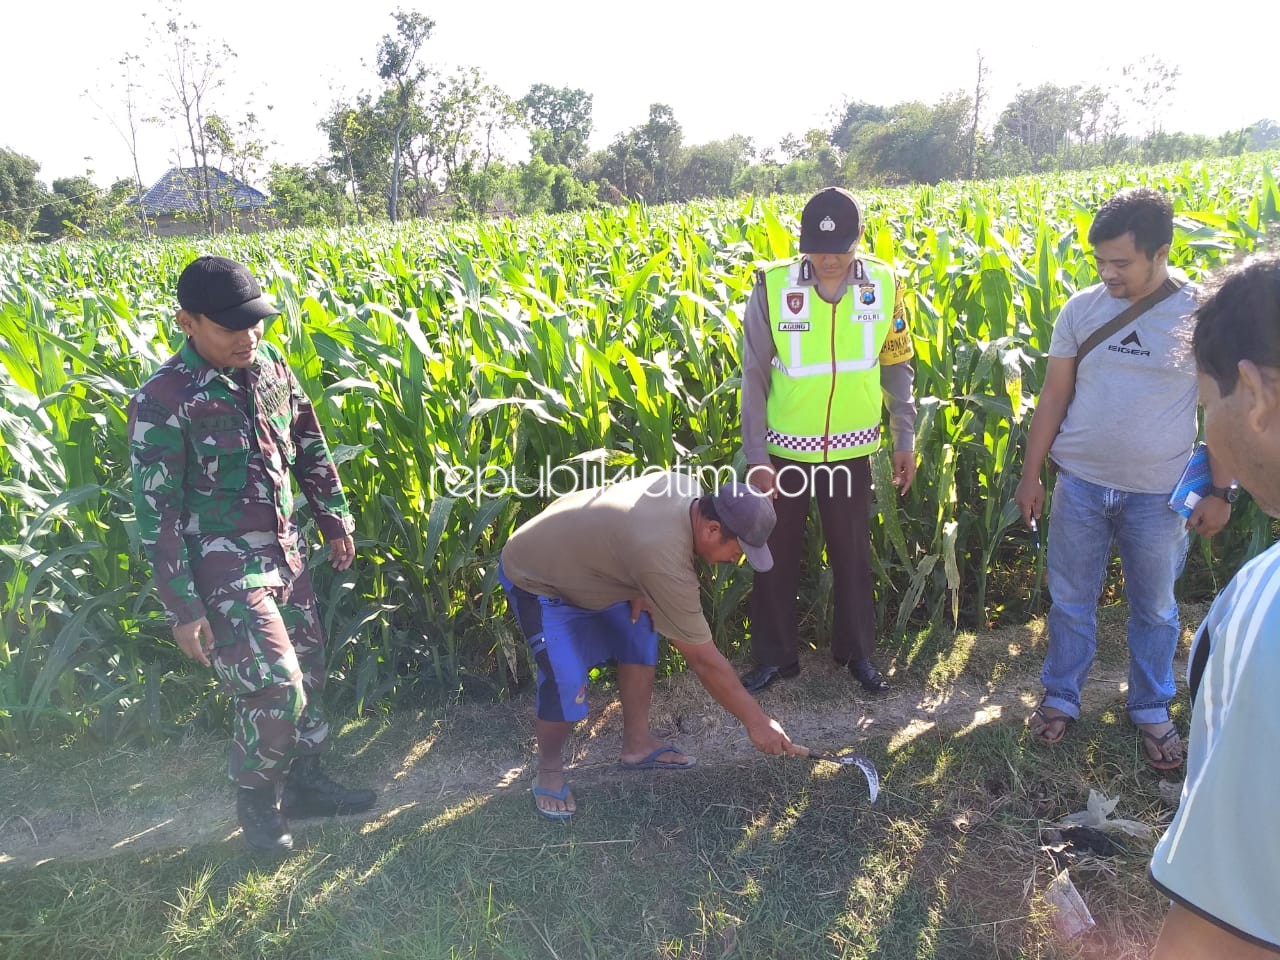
824,335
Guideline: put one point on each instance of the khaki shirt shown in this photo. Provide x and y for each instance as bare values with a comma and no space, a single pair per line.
604,545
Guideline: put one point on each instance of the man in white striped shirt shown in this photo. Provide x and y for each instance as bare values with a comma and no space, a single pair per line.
1219,861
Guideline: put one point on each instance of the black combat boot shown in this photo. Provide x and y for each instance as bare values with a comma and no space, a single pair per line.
310,792
263,825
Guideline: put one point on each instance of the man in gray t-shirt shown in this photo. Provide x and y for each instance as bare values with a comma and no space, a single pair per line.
1119,424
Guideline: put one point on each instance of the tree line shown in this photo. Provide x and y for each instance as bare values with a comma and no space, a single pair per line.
426,143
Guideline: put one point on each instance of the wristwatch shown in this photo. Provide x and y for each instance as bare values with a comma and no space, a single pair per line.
1228,494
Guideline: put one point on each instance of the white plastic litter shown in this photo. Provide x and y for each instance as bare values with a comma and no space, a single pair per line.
1098,815
1070,916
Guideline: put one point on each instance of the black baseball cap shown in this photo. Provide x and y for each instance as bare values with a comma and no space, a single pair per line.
749,514
830,222
224,291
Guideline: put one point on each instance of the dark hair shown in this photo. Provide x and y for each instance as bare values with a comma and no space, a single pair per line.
1144,212
1239,320
707,510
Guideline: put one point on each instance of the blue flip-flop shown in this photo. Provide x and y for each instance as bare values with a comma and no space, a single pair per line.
562,795
651,762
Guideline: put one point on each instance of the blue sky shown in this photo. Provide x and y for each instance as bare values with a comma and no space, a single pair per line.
764,70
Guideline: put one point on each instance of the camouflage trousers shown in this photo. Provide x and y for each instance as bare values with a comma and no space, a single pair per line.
269,654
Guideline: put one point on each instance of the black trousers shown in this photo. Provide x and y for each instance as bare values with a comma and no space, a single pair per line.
843,491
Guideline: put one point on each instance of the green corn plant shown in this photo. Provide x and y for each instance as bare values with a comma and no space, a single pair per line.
454,365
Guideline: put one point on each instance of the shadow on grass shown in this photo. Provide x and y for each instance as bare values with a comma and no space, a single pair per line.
742,857
770,857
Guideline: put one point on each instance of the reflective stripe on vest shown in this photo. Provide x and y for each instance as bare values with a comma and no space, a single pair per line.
835,442
824,369
824,386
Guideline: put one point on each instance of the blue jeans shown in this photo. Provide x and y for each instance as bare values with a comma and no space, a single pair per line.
1086,519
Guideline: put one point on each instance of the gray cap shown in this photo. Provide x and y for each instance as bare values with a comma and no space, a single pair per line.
749,514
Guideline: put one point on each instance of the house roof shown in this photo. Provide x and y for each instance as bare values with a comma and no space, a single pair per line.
178,191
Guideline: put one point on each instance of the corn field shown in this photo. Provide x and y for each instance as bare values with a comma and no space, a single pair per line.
445,354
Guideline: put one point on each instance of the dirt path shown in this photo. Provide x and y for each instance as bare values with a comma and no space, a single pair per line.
483,749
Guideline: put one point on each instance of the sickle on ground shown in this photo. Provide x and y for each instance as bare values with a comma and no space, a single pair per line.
852,759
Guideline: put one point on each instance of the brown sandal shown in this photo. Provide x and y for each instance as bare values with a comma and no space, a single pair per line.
1048,724
1159,762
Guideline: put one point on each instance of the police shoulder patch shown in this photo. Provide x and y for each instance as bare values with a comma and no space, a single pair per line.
897,346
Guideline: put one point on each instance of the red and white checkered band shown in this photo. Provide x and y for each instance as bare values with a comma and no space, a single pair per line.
837,441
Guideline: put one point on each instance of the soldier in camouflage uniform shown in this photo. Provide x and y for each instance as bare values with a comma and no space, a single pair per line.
215,436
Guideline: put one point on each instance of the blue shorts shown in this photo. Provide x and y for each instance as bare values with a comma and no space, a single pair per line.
567,641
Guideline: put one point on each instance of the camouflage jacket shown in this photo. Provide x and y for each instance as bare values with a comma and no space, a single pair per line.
211,461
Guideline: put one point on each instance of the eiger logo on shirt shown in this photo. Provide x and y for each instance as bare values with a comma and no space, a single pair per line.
1131,345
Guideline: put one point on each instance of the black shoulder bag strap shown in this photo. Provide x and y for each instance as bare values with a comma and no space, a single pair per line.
1127,316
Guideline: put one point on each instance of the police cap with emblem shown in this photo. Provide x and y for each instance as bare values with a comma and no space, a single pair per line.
830,222
225,292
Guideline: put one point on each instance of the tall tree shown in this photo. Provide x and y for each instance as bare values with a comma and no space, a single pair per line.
127,123
307,196
238,147
359,148
1101,127
851,120
398,67
72,207
1150,84
814,161
1041,122
979,95
659,141
21,194
641,163
919,144
477,179
712,169
438,134
1264,134
194,72
559,120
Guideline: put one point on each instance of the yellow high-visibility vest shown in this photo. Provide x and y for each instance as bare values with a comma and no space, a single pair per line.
824,389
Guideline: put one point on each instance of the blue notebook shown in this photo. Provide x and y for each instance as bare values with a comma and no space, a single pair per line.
1194,483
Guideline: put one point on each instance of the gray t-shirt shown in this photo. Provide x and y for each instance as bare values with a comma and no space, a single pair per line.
1132,422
